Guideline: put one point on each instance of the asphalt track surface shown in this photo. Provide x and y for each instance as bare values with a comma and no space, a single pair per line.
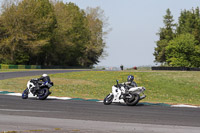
7,75
70,116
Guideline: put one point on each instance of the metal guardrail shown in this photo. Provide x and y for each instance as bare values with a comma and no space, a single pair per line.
4,66
176,68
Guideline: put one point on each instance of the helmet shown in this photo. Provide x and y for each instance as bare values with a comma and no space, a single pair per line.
130,78
44,75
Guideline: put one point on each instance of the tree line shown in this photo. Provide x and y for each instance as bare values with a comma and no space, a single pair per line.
179,43
43,32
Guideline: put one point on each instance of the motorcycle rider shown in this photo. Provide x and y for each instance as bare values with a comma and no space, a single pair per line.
130,83
44,79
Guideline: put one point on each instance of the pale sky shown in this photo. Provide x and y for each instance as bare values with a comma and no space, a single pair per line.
134,26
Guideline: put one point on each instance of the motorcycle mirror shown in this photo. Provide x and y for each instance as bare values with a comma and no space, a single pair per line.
117,81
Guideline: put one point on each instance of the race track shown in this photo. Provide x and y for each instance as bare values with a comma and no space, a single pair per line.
7,75
69,116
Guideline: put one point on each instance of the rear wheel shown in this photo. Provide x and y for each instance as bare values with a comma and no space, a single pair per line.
108,99
43,93
25,94
132,101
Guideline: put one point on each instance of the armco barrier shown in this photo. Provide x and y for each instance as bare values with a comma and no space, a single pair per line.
176,68
13,66
3,66
35,67
38,67
27,66
21,66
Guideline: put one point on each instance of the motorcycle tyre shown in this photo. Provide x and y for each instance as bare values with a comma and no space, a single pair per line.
134,102
109,101
25,94
45,93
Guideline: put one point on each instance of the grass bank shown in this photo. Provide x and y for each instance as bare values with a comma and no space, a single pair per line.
177,87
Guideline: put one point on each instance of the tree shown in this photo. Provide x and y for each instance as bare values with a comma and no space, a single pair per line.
4,49
183,51
29,26
72,34
41,32
159,53
165,35
80,34
96,24
189,22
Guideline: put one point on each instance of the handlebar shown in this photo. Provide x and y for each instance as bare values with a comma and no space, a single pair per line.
120,84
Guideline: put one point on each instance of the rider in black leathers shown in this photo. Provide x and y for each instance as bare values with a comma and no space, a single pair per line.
44,79
130,83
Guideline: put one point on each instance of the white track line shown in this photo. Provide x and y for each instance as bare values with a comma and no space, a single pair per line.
185,106
30,96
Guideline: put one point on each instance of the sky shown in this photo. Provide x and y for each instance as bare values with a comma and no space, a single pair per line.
134,26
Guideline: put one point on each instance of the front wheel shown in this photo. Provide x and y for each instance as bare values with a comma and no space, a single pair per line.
43,93
132,101
25,94
108,99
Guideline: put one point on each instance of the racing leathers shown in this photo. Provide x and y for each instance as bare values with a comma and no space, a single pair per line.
45,79
129,85
42,80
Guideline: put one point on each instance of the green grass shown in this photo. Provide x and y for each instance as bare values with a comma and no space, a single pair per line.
174,87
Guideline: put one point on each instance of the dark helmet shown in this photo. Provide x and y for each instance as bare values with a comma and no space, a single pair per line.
130,78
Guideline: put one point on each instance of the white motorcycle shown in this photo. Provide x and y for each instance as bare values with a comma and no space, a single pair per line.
118,95
42,93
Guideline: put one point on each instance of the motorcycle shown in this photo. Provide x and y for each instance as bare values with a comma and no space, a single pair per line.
42,93
122,94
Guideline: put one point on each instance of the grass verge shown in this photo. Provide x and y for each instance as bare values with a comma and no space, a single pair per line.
174,87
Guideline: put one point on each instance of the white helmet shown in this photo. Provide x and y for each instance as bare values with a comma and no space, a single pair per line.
44,75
